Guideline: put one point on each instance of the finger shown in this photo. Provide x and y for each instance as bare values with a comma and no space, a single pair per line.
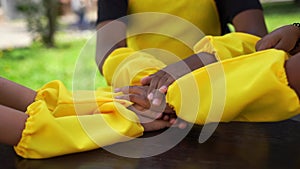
164,86
146,80
163,89
122,97
131,90
169,110
158,98
150,114
137,99
284,45
155,80
158,104
182,125
266,43
155,125
179,123
140,100
166,117
138,107
161,82
172,120
144,114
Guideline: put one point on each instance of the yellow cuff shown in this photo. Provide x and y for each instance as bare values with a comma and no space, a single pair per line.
125,67
59,123
227,46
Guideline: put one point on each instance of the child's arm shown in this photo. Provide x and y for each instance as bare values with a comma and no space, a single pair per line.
165,77
109,32
12,123
250,21
13,103
15,96
292,67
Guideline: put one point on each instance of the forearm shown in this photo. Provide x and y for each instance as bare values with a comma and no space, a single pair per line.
12,123
250,21
190,64
15,96
199,60
292,68
110,36
176,70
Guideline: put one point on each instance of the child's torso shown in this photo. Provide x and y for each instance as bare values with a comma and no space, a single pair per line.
184,20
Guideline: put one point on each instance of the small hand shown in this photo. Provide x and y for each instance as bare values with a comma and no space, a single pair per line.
152,124
284,38
160,81
137,95
143,108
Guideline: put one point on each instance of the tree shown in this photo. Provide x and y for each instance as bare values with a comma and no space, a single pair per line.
41,17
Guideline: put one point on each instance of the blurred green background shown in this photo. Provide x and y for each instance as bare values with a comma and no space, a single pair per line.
36,65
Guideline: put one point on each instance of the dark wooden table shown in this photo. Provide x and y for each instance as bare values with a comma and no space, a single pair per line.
232,146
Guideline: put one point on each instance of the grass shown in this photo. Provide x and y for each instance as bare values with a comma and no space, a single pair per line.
36,65
280,13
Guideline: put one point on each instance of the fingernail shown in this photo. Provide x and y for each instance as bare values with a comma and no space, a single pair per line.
117,90
182,125
150,96
163,89
156,102
172,121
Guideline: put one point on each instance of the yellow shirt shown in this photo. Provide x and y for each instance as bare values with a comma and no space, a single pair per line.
175,26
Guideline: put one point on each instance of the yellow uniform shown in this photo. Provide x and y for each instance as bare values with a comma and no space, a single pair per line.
243,86
60,124
253,86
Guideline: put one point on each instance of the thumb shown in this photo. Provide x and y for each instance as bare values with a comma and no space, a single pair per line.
146,80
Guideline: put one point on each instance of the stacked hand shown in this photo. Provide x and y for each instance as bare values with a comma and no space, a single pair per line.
153,117
160,81
149,99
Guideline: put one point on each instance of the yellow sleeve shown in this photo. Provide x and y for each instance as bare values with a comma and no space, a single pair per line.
252,87
125,67
227,46
68,126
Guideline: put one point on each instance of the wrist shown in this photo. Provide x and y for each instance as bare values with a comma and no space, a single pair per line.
199,60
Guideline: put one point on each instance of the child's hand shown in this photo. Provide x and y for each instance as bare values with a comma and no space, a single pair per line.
160,81
142,106
150,124
138,95
284,38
